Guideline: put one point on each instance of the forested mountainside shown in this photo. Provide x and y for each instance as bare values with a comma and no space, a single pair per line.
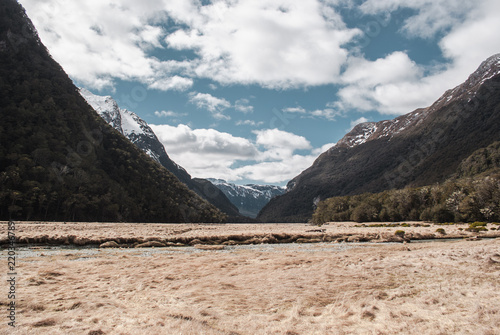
59,160
473,194
421,148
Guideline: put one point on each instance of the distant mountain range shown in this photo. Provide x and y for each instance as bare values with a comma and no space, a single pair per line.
250,198
423,147
59,160
140,133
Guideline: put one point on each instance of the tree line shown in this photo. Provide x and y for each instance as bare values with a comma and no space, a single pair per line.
473,194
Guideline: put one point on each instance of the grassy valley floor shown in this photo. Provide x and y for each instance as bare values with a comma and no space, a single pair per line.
320,288
161,235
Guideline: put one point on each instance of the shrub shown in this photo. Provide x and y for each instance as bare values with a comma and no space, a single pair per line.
364,213
441,231
400,233
477,227
442,214
426,215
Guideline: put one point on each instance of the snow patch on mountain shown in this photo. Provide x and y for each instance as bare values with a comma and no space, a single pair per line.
106,107
126,122
130,123
250,198
368,131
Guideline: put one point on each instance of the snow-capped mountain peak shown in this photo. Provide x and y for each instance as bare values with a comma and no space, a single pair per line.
368,131
106,107
250,198
125,121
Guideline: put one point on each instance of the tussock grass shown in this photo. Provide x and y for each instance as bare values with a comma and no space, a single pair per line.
131,235
45,323
421,288
417,288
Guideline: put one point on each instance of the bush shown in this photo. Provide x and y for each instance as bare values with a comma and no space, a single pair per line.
477,227
442,214
441,231
476,230
426,215
400,233
364,213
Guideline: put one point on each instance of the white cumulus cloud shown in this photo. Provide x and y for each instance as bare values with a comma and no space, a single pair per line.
273,43
169,114
99,41
354,123
213,104
467,32
276,44
271,157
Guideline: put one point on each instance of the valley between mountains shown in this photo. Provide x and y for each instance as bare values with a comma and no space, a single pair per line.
70,155
393,230
421,148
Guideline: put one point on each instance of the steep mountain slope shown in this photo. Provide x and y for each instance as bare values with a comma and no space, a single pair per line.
420,148
471,195
59,160
249,199
138,132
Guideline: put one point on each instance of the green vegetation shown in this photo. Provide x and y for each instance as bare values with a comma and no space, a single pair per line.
472,195
482,160
400,233
441,231
462,200
477,227
59,160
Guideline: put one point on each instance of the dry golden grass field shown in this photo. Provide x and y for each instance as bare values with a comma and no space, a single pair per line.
216,287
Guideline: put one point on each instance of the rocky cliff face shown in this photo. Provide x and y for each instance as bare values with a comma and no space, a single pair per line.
419,148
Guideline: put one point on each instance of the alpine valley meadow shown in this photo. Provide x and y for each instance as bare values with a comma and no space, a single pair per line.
103,233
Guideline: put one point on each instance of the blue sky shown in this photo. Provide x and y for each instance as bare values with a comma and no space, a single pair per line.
255,90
